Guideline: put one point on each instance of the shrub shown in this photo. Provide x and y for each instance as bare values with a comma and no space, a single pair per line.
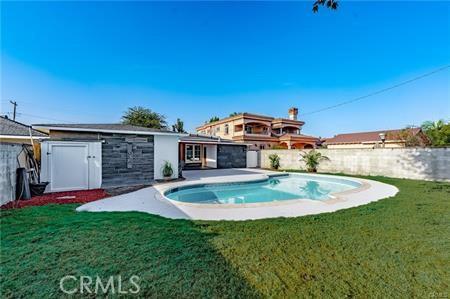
274,161
167,169
312,159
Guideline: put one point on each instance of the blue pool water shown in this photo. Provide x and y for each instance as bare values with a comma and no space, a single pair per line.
286,187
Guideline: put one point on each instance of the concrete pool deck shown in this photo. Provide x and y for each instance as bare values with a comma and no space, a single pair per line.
151,200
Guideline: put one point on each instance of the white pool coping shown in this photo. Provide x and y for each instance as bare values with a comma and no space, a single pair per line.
151,200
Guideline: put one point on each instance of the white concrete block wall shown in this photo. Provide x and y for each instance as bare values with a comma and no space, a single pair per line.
412,163
165,149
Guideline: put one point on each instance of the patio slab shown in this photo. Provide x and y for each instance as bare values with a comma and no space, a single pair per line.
151,200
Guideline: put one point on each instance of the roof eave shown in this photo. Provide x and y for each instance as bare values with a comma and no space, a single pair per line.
109,131
210,142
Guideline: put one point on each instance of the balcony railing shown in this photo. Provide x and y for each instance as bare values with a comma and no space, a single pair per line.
293,132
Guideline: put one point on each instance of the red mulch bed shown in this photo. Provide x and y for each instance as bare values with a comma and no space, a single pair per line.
59,198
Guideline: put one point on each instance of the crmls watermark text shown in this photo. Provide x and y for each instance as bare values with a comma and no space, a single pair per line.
70,284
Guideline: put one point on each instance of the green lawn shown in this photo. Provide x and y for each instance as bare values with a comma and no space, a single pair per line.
397,247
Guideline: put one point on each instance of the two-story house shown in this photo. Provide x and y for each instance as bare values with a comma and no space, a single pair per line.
261,132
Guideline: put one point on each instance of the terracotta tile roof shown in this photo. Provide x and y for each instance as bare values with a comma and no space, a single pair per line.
250,115
391,135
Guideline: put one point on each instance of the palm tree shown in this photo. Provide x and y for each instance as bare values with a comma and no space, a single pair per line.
331,4
144,117
274,161
438,132
178,126
213,119
312,159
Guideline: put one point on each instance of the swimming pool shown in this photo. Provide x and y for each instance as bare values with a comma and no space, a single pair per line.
275,188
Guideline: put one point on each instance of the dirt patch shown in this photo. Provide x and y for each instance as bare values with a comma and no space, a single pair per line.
66,197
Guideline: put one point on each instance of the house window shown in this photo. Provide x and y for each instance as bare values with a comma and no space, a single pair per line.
226,129
192,153
248,129
261,146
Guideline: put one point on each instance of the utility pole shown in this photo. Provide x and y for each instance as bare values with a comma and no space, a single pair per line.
15,106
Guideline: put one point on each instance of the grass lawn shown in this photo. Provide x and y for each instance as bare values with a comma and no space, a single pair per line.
397,247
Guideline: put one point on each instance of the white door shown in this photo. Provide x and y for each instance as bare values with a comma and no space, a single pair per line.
211,155
71,165
252,159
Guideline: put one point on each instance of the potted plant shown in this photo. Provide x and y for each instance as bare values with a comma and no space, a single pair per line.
167,170
274,161
312,159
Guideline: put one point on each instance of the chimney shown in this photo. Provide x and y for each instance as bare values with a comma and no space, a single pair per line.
293,112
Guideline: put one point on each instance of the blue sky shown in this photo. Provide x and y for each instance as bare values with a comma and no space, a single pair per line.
88,62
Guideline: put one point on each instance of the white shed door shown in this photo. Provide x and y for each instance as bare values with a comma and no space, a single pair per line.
252,159
71,165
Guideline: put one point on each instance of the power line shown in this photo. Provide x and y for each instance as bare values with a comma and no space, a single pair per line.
378,91
47,107
40,117
53,108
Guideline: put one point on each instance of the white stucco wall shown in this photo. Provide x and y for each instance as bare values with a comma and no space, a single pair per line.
411,163
166,149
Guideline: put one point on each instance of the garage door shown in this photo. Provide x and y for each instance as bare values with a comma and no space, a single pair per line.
71,165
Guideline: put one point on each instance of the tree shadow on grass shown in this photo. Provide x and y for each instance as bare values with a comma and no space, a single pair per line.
173,258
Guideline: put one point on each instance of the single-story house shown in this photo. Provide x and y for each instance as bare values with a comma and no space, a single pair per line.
198,151
89,156
12,131
376,139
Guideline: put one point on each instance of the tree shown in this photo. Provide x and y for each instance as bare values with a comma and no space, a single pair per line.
438,132
331,4
178,126
144,117
408,136
234,114
312,159
213,119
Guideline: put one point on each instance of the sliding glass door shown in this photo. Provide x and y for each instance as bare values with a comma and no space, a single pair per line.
193,152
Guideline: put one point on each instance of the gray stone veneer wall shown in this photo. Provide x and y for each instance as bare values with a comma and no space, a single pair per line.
411,163
231,156
126,159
